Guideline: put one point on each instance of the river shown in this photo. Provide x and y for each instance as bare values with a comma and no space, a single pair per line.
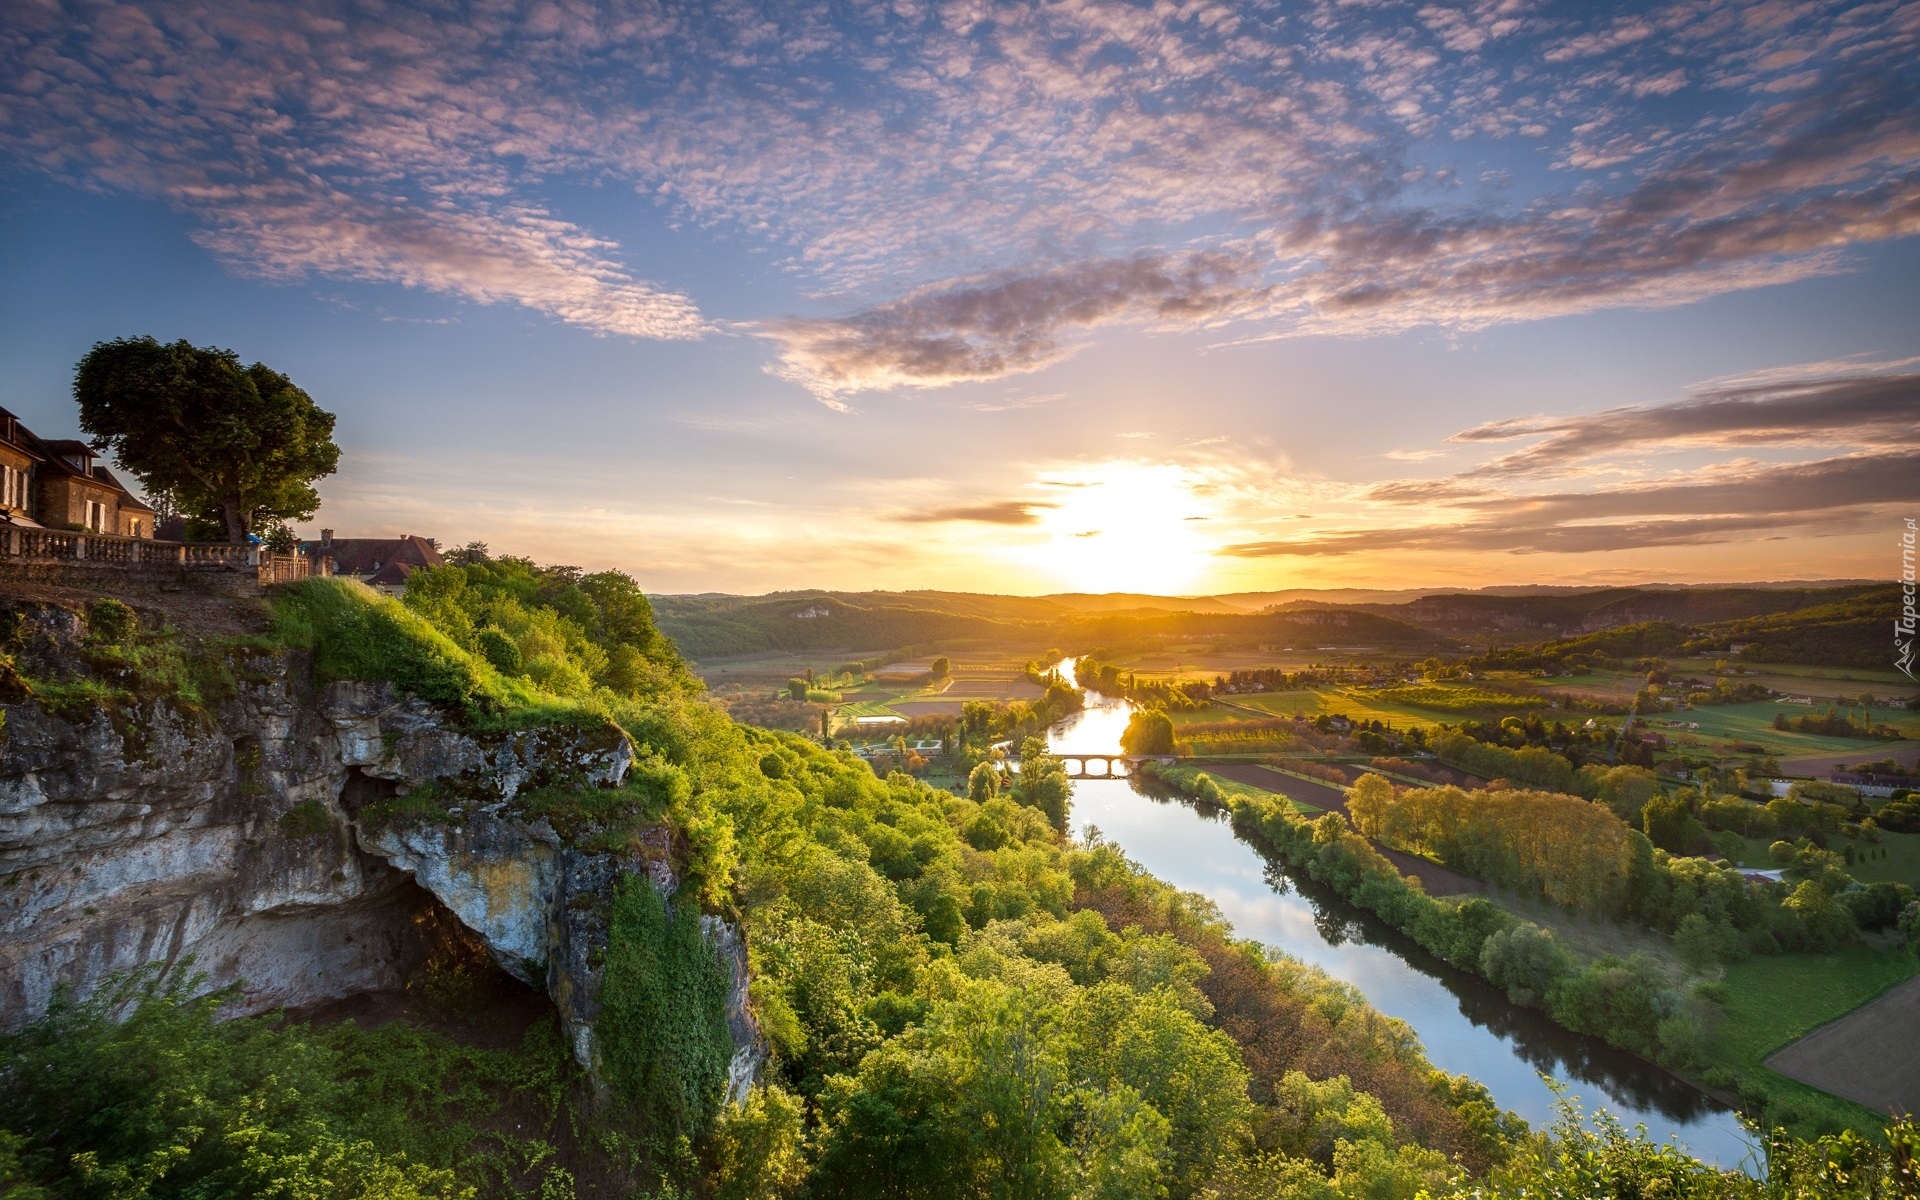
1467,1026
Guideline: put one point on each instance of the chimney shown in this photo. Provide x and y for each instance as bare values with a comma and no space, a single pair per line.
326,537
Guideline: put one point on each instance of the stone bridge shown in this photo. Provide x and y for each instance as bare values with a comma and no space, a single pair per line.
1106,766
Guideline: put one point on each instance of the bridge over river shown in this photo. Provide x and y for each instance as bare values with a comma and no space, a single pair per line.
1106,766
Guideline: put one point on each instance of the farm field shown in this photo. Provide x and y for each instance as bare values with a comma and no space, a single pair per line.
777,667
1723,724
1906,752
1851,1058
1600,687
1356,704
1901,864
1823,682
1772,1000
1204,664
881,697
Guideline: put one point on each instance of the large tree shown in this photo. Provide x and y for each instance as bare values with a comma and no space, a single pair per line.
231,445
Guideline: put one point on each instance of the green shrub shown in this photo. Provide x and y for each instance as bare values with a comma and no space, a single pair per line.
141,1091
663,1018
500,650
356,633
309,818
111,623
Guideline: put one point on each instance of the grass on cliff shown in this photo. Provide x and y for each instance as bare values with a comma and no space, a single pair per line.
356,633
117,663
663,1021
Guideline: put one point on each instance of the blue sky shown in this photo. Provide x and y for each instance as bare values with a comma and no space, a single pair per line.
1090,296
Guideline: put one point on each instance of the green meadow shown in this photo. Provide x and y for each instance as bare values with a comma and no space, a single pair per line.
1773,999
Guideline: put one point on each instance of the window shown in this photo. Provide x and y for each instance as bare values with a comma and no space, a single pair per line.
13,487
96,516
134,529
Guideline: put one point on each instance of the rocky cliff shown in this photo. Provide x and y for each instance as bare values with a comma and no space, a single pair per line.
304,841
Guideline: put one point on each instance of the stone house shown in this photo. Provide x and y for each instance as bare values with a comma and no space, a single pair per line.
59,485
382,563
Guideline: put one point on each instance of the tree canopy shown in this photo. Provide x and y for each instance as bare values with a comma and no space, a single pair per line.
233,446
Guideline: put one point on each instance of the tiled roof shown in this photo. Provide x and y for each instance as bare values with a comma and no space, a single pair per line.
375,556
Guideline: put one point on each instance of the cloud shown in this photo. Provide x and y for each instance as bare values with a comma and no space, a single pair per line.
1557,539
998,512
970,189
1842,409
316,142
519,255
1015,403
985,328
1823,496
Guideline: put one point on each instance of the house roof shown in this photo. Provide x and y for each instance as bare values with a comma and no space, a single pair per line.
16,436
127,498
386,560
56,455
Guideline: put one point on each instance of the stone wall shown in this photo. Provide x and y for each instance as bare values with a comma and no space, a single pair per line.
127,578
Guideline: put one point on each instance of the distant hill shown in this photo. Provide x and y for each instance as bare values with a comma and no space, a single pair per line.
1135,602
726,626
1839,624
1480,616
1303,629
1853,630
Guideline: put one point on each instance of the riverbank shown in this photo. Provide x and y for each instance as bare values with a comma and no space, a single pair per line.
1677,1024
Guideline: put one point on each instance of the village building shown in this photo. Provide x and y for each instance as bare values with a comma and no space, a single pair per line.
382,563
59,485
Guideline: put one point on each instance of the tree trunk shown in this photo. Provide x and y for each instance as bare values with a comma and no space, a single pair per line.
236,524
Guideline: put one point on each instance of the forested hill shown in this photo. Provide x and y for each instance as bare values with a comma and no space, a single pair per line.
1852,630
713,626
1474,615
710,626
1796,623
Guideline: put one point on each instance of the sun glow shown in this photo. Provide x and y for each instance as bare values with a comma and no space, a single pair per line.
1123,527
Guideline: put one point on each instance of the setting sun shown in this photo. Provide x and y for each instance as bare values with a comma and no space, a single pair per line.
1122,526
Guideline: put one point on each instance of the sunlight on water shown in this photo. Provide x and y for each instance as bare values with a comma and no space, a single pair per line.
1466,1026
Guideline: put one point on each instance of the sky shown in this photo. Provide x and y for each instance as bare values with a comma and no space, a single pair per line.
1081,296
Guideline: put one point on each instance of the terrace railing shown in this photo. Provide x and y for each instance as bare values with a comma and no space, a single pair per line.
22,544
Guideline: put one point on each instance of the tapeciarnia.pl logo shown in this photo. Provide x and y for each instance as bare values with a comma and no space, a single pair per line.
1903,625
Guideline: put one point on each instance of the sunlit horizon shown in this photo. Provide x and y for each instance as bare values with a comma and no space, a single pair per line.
746,299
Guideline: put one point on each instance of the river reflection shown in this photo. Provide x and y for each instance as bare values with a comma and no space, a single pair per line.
1466,1026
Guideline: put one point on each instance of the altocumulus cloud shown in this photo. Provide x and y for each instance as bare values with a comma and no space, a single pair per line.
981,329
976,186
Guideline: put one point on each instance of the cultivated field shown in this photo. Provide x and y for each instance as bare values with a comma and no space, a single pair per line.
1354,703
1772,1000
1870,1056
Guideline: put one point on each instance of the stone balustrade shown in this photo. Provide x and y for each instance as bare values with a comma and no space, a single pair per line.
25,545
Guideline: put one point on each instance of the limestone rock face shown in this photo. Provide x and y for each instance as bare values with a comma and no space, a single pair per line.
749,1045
299,841
151,835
